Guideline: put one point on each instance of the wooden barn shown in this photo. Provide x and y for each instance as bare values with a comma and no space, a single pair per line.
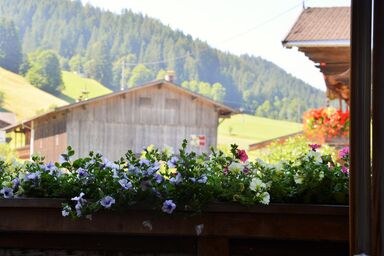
159,113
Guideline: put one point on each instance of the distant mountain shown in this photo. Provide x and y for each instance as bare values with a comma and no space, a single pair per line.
97,42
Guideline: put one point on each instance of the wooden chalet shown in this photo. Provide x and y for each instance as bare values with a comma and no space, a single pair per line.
323,35
159,113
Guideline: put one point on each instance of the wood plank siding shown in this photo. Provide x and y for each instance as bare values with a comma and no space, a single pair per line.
159,115
50,136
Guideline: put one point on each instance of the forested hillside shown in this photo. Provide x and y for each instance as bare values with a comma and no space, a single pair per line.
97,42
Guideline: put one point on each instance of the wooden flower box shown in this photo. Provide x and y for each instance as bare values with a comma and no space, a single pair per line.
223,229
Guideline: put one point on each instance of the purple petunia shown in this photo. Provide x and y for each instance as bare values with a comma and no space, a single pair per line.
125,184
62,159
202,179
52,169
80,202
7,192
78,207
16,183
176,180
115,174
158,178
109,164
172,162
144,161
32,176
107,201
345,170
168,206
133,170
49,166
82,173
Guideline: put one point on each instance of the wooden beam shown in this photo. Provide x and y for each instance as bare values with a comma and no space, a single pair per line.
334,68
360,175
378,130
327,54
328,57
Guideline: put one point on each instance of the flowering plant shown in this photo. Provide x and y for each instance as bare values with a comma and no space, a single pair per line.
312,177
325,123
171,182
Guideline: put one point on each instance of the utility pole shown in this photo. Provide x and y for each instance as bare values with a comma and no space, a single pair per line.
122,87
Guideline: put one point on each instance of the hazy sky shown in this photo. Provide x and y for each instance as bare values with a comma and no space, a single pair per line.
256,27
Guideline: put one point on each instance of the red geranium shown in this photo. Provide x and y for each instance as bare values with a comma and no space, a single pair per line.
325,123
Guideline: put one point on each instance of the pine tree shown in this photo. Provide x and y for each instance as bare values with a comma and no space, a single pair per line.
10,48
99,65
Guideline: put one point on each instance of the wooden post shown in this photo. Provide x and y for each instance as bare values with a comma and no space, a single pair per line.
360,175
378,130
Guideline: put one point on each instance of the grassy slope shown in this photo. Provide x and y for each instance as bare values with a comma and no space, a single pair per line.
74,85
247,129
22,98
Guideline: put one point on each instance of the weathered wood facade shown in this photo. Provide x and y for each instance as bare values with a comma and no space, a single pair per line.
159,113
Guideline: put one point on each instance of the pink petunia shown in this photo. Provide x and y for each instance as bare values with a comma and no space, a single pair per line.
242,155
314,146
344,152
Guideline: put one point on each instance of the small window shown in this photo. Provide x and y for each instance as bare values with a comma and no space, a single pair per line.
171,104
145,102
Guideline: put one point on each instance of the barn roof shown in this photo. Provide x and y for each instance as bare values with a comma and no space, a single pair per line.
223,109
320,26
8,117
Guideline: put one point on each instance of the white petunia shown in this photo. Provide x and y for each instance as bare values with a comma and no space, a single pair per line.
266,198
235,167
316,156
298,178
256,184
